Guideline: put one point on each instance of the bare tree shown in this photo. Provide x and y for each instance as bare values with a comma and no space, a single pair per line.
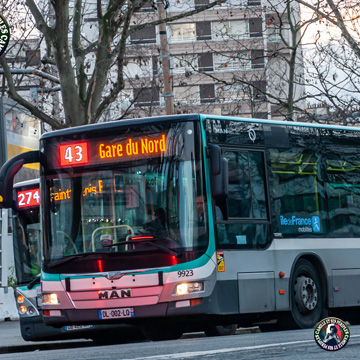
332,64
86,44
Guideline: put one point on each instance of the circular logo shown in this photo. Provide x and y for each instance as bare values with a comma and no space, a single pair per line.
4,34
331,334
252,135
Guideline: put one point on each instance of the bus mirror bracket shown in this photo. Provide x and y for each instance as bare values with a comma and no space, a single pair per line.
8,172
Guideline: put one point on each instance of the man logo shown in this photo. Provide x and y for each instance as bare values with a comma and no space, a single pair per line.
114,294
114,275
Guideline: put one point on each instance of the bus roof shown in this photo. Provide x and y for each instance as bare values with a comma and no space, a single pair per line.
120,123
27,183
191,117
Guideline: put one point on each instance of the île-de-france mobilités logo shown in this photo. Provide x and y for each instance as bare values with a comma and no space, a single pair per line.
331,334
4,34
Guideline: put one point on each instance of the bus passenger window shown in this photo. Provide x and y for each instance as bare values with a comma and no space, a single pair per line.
343,193
296,192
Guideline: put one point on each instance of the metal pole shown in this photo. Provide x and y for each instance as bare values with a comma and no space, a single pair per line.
165,60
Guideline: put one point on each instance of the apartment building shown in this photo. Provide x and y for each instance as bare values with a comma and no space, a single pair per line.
232,59
223,60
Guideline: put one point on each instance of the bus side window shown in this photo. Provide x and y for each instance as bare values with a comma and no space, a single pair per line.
343,194
297,195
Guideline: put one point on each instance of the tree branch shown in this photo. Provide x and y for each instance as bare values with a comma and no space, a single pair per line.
77,50
338,22
16,97
40,21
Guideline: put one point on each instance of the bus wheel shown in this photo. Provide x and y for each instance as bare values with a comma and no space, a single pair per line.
221,330
162,331
306,295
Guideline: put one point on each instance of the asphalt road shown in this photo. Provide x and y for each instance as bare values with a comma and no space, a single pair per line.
296,344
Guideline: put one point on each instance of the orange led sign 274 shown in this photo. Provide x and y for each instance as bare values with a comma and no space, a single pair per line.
74,154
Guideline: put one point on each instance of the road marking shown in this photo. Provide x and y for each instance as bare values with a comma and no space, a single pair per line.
187,355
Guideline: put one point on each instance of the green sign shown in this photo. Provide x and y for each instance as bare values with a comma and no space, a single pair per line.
4,34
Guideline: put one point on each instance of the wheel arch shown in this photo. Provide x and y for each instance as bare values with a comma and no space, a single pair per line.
319,266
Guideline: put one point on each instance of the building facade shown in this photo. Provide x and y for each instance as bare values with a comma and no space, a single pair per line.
232,59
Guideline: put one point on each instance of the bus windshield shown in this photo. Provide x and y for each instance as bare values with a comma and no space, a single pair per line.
144,208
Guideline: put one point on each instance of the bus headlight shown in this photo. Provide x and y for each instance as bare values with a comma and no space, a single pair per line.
22,309
189,288
49,299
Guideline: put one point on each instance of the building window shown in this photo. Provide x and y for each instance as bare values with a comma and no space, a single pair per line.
144,36
255,27
230,61
254,2
235,29
206,62
186,95
146,97
207,93
200,3
258,90
203,30
148,6
232,93
182,32
184,63
234,3
257,59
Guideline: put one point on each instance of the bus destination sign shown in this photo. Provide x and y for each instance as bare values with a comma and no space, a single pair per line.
28,198
91,152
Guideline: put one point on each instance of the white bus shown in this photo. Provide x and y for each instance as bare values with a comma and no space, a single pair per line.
259,223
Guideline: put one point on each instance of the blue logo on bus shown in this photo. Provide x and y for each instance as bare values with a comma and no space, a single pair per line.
303,224
316,224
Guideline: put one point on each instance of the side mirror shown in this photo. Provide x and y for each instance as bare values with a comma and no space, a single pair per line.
218,173
8,172
215,159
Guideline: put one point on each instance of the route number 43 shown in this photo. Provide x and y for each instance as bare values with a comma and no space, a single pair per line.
74,154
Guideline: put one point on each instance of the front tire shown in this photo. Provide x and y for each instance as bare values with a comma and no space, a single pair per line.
221,330
307,299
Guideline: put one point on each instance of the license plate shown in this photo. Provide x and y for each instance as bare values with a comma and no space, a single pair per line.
116,313
78,327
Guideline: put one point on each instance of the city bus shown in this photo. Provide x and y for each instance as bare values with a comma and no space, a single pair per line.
198,222
27,259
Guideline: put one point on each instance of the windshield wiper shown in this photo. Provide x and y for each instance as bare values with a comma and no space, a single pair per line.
149,240
33,282
70,258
